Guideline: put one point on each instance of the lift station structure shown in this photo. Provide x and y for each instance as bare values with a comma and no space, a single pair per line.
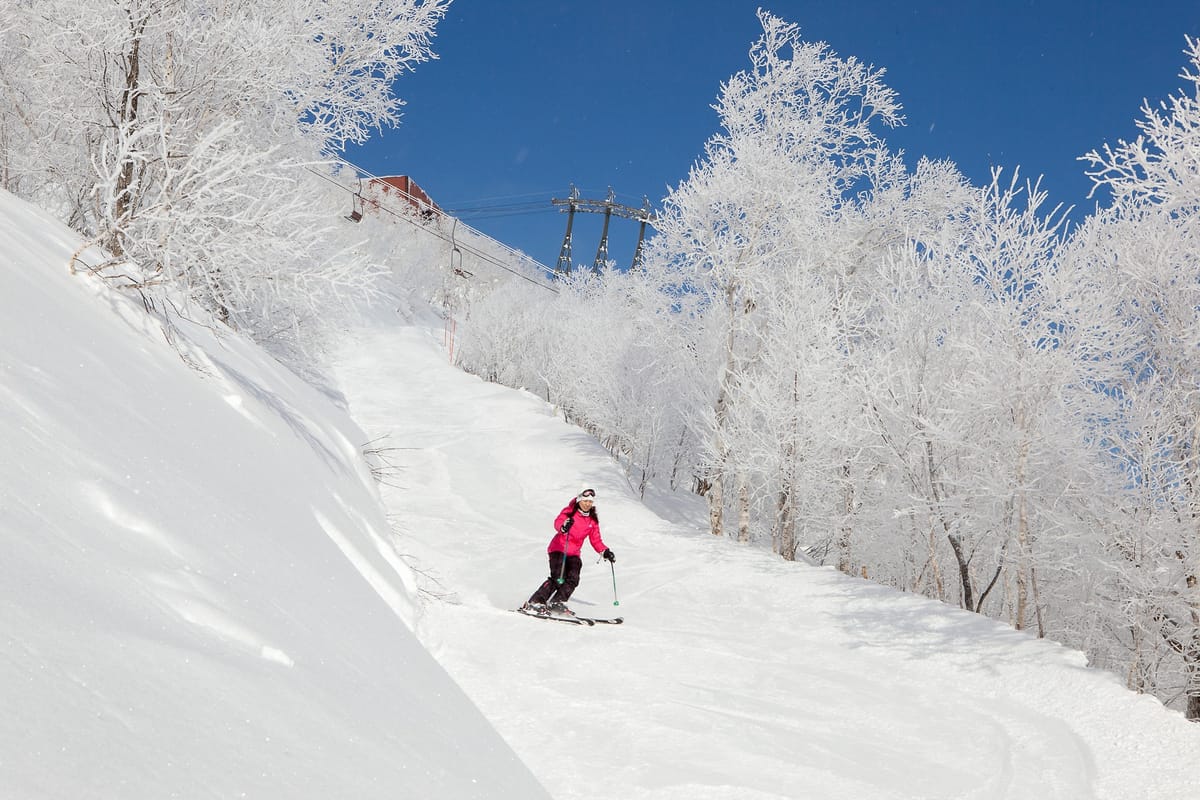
609,208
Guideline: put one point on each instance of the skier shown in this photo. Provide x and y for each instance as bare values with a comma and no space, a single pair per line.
576,522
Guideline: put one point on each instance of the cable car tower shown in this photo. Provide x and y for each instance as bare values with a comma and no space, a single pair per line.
608,208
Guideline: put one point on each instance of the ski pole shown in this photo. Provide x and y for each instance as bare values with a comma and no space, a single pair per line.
562,571
613,567
566,527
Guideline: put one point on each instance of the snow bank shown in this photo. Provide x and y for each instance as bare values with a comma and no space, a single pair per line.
199,594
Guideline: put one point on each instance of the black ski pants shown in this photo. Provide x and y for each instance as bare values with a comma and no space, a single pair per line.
552,591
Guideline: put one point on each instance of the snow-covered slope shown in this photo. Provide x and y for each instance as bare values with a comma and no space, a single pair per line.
736,676
198,597
201,599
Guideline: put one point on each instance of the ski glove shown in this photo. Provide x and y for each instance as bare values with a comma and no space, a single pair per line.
608,556
566,526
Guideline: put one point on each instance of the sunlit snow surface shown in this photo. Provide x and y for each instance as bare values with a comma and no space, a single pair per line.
197,594
203,599
736,676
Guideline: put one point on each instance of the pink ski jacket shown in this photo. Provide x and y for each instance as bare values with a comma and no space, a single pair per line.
585,526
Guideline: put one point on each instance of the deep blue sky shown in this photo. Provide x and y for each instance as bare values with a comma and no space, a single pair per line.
530,96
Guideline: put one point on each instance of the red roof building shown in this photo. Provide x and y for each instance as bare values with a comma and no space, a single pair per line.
397,190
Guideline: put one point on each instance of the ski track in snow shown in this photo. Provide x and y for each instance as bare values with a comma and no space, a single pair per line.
736,675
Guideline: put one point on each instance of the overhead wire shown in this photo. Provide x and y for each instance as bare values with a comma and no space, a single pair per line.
541,193
543,206
505,210
485,207
481,255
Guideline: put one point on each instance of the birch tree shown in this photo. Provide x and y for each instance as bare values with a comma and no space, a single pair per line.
1149,248
983,397
1153,544
798,142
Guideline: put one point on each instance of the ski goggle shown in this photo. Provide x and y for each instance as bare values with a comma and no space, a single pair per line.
587,494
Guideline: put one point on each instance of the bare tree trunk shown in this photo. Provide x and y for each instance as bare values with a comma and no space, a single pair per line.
716,480
646,471
716,505
678,459
743,509
1191,655
1037,603
932,567
846,531
1191,646
716,495
1187,646
1135,678
784,539
1027,589
1024,547
964,572
124,120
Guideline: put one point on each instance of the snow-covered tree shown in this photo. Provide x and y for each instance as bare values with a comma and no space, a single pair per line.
902,375
983,396
798,145
1147,244
177,133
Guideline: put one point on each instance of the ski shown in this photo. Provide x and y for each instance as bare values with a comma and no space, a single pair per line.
553,618
604,620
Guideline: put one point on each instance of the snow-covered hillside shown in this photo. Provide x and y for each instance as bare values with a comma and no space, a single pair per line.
736,676
203,598
198,597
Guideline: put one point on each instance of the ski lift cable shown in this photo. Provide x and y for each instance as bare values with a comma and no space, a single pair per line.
505,197
511,210
482,256
483,215
359,171
514,208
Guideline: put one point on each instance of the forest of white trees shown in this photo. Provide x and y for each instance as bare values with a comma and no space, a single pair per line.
937,386
942,387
